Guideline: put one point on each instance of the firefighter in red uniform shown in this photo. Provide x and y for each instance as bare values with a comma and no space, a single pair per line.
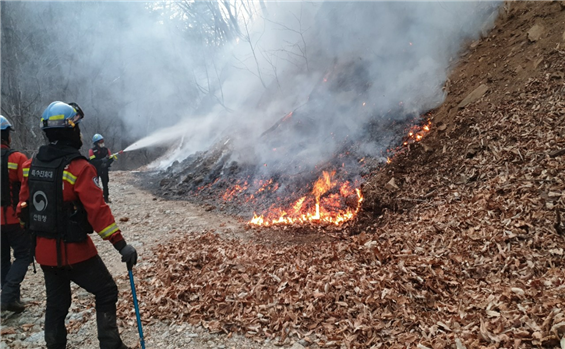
13,236
102,158
62,203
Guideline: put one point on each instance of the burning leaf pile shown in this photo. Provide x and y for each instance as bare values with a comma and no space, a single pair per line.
319,208
303,169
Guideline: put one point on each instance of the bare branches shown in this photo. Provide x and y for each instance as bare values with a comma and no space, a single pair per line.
247,38
301,47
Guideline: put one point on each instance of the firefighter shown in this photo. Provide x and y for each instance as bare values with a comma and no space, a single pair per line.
102,159
62,204
13,236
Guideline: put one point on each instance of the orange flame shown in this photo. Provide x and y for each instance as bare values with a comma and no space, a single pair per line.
232,192
322,208
417,133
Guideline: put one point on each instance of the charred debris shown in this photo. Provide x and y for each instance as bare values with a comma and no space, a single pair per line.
241,177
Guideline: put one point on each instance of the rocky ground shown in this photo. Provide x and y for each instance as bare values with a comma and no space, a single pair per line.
146,221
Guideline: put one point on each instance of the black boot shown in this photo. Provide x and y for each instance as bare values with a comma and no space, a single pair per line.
15,306
108,334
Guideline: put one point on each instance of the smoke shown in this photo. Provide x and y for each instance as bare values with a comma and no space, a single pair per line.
129,68
338,67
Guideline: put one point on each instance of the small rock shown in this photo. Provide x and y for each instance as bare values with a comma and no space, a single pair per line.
35,338
535,33
537,62
518,69
427,148
473,96
83,332
391,185
75,317
16,344
297,345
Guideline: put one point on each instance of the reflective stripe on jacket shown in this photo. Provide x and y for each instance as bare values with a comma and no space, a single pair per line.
99,153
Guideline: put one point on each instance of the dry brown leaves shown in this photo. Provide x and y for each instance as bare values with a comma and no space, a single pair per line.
465,253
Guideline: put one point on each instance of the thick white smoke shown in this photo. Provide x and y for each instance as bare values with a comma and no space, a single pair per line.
141,68
381,60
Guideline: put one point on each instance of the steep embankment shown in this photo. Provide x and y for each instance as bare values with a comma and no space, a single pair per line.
459,241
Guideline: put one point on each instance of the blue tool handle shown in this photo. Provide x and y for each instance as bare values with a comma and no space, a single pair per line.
136,306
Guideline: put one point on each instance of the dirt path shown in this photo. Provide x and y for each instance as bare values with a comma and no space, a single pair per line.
146,221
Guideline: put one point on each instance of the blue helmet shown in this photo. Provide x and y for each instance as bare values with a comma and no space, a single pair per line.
61,115
97,138
5,124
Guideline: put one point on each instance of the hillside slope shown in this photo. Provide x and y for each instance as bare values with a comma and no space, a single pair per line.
460,244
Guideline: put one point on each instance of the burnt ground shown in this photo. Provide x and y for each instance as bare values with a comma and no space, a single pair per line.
460,243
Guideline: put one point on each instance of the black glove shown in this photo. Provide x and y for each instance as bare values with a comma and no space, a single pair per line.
129,256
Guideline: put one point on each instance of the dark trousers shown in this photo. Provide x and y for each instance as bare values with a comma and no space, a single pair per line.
14,237
104,178
93,276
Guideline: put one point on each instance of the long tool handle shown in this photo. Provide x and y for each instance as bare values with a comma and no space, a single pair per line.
136,306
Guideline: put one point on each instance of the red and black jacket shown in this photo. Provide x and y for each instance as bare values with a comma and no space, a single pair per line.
79,182
15,166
